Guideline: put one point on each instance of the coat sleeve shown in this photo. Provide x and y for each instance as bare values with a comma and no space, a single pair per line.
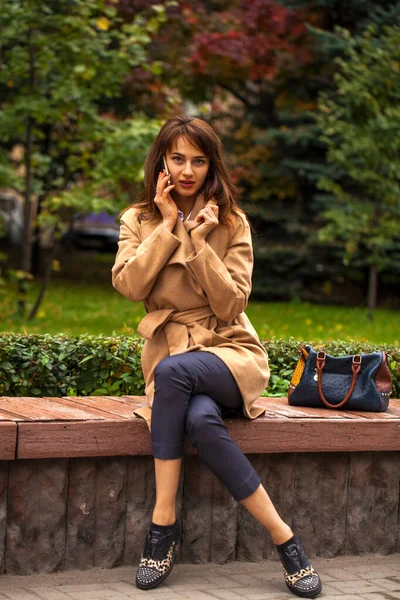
227,282
137,263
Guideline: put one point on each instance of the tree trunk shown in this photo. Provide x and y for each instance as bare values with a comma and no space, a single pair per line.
27,243
26,258
45,283
372,291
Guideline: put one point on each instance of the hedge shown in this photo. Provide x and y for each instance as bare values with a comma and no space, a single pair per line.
88,365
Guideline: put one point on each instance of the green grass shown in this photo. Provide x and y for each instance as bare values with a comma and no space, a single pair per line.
96,308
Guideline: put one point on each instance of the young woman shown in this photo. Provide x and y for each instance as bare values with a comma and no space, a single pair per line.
185,250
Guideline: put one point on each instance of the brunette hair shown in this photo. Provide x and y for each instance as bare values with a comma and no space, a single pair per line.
217,184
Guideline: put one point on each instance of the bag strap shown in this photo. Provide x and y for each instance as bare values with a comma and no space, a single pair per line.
355,367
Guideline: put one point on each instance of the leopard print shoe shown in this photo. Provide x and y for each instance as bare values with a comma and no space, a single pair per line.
158,557
300,577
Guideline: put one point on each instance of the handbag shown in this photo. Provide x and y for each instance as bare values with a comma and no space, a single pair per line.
357,382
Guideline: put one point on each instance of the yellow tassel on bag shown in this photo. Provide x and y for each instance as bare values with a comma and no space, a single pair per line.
298,372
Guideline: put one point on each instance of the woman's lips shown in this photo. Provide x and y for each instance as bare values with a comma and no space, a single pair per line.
187,184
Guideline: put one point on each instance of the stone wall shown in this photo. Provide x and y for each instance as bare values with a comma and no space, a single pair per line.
58,514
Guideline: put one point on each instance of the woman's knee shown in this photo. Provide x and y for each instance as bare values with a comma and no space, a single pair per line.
163,368
202,413
172,370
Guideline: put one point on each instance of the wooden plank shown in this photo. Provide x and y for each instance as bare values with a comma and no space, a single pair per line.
315,435
109,406
111,438
269,415
6,415
94,411
376,416
8,440
136,400
392,412
44,409
281,407
83,438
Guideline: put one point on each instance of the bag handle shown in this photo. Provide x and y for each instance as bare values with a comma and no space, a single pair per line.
355,367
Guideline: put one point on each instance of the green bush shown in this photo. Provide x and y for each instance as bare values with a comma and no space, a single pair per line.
88,365
61,365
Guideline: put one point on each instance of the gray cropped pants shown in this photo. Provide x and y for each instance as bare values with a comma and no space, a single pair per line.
192,393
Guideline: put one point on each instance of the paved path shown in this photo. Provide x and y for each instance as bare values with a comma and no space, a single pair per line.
345,578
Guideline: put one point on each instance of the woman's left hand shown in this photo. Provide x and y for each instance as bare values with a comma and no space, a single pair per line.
209,215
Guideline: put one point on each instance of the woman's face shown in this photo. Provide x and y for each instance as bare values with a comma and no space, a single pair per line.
188,167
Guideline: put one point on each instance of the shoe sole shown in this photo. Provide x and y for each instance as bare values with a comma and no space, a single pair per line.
306,594
151,586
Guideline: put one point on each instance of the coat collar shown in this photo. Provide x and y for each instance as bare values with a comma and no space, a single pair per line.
182,231
198,205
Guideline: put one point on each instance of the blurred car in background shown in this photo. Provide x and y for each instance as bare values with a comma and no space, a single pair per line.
93,232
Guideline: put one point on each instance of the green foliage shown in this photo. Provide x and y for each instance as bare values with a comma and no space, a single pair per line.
63,71
119,166
44,365
60,365
361,128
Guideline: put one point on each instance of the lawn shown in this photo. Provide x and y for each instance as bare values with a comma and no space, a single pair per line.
96,308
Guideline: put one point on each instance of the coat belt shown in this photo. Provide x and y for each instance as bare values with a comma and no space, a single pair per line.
182,328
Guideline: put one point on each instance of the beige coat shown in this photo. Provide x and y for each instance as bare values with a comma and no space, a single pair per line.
194,301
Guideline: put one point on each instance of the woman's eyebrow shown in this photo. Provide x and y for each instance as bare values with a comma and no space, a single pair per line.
180,154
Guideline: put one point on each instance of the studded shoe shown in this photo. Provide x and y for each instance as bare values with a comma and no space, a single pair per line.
300,577
158,557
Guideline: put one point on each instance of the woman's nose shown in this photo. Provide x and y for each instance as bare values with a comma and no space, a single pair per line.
187,170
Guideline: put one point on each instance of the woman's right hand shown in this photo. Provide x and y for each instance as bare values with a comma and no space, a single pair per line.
164,201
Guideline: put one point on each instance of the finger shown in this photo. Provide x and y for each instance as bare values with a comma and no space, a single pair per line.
168,189
163,182
158,181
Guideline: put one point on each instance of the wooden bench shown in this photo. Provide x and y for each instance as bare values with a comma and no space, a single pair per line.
77,484
106,426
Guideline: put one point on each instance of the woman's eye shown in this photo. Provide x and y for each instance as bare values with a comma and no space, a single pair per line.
198,161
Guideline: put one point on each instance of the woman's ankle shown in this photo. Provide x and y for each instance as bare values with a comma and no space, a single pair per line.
282,535
163,517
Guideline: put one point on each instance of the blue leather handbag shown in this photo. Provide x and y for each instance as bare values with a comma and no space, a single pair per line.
357,382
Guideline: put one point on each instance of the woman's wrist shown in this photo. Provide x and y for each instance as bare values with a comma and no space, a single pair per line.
198,244
169,225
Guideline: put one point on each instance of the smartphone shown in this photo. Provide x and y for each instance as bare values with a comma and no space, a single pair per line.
166,169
